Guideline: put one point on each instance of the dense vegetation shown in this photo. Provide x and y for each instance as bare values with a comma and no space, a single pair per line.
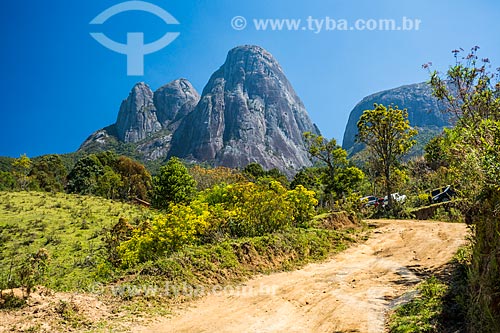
225,211
471,154
467,156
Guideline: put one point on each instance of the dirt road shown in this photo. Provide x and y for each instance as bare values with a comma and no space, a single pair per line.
349,293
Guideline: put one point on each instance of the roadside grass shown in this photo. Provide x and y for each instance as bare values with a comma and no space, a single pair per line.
194,270
422,313
440,305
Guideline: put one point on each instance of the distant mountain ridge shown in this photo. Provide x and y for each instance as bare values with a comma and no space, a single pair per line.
248,112
424,112
146,120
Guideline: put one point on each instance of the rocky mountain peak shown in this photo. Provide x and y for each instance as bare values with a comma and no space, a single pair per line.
137,116
248,112
251,59
174,101
424,111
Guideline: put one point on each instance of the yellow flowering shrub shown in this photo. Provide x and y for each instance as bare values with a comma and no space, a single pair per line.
165,233
253,209
302,202
235,210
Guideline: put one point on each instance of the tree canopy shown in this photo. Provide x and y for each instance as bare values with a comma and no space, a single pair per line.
339,175
173,185
388,135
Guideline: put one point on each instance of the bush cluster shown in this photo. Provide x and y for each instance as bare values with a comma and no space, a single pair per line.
224,211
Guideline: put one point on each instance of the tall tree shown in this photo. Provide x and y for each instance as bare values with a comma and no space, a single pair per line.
7,181
470,90
388,135
83,178
254,171
339,176
136,180
173,184
49,173
21,168
109,184
111,176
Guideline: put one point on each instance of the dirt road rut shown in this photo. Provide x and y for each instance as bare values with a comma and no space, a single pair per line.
349,293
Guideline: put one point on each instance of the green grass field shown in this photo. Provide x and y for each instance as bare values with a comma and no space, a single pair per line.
69,227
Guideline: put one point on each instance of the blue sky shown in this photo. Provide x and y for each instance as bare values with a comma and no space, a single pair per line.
58,84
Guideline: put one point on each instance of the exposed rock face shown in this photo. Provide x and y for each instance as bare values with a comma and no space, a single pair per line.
174,101
424,111
137,117
147,120
248,112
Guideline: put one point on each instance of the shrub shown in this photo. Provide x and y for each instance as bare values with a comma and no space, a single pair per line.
256,209
207,178
302,205
165,233
33,269
120,232
237,210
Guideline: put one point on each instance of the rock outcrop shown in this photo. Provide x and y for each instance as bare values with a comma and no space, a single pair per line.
248,112
137,117
146,120
174,101
424,111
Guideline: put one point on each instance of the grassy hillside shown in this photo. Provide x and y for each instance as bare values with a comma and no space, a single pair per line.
69,227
